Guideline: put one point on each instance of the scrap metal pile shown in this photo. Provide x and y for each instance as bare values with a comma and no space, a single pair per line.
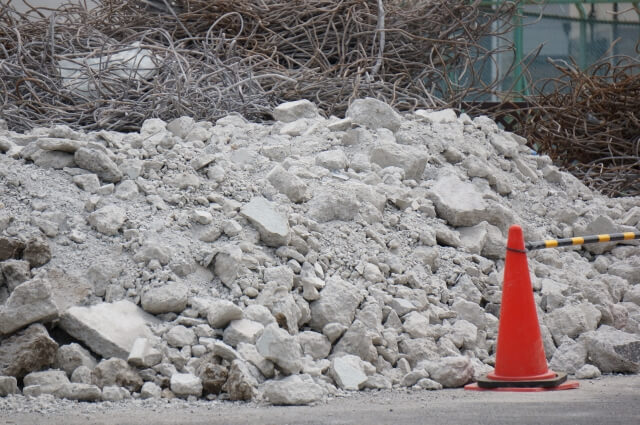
122,62
588,121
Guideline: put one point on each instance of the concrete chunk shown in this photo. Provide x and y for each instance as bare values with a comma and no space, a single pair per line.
108,329
272,225
28,303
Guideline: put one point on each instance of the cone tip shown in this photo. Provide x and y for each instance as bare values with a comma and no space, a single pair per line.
516,238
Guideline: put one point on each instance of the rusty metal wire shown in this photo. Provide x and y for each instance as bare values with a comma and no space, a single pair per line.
589,122
212,57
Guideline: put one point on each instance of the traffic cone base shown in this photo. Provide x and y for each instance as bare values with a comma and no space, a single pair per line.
568,385
520,364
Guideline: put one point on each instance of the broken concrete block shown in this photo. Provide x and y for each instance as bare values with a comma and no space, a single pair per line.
348,372
270,223
612,350
277,345
373,113
109,329
29,302
293,390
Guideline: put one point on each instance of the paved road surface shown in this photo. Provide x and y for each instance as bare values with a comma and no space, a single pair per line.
607,401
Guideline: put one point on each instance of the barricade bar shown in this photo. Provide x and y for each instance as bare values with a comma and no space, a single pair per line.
556,243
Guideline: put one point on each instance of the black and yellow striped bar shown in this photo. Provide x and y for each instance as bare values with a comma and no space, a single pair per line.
555,243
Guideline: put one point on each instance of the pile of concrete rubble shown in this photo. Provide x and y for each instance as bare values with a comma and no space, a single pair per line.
297,260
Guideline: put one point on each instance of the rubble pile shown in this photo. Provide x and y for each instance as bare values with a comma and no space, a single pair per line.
296,260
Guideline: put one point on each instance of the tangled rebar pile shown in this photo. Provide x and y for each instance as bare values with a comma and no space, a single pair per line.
589,122
115,65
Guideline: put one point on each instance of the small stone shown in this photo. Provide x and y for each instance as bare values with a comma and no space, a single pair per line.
29,302
289,184
73,355
374,114
165,299
292,111
227,264
14,273
333,159
116,371
143,354
79,392
150,390
186,384
87,182
271,224
314,344
277,345
241,384
293,390
127,190
588,371
37,252
333,331
82,375
8,385
180,336
26,351
348,372
99,163
108,220
450,372
49,381
202,217
242,330
114,393
221,312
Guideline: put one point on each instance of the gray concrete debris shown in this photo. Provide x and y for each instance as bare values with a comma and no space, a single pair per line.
289,184
79,392
71,356
569,357
8,385
98,162
612,350
242,330
450,372
412,161
572,320
241,384
150,390
26,351
459,203
186,384
108,220
373,114
292,111
272,225
29,302
165,299
337,304
363,252
14,272
221,312
143,354
277,345
108,329
348,372
116,371
293,390
49,381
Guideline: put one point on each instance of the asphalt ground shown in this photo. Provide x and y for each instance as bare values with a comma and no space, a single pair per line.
606,401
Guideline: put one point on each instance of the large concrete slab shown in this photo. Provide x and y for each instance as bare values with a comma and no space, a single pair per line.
109,329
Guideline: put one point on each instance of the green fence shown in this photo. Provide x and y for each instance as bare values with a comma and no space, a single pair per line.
568,29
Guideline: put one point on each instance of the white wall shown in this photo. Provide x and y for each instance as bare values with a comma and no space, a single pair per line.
21,6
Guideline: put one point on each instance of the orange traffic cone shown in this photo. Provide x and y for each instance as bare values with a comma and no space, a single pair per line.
521,364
